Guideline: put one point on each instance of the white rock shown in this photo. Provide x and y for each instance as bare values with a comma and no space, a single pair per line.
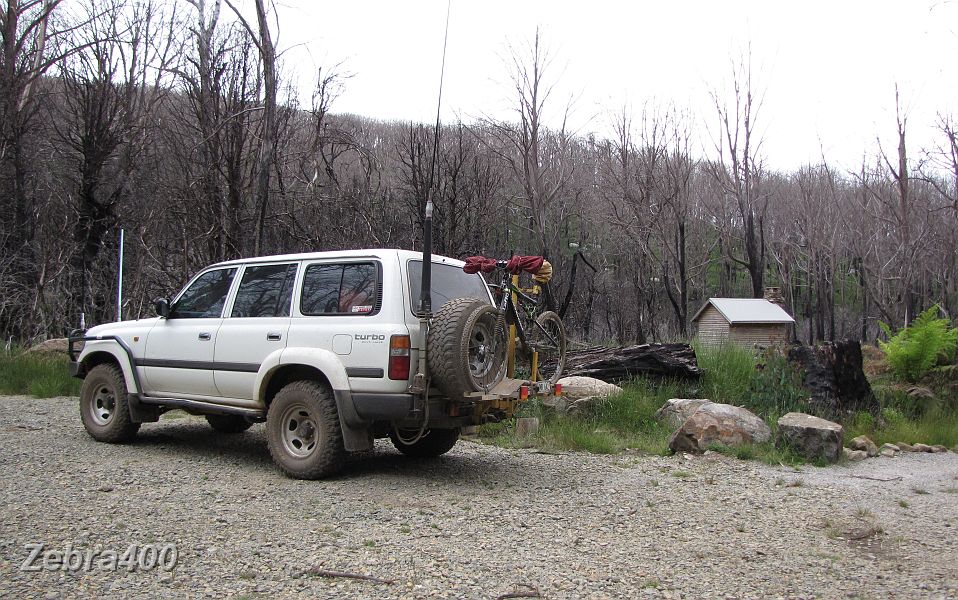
580,387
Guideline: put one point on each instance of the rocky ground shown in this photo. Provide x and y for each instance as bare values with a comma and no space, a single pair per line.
482,522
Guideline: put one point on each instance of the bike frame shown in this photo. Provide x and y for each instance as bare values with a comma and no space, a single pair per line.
512,295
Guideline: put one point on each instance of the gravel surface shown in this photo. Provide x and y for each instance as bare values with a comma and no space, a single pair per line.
480,522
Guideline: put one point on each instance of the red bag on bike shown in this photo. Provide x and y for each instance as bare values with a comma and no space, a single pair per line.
529,264
474,264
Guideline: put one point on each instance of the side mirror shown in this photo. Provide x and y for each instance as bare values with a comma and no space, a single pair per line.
162,307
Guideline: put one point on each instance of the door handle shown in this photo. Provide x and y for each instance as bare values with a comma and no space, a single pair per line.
274,337
205,336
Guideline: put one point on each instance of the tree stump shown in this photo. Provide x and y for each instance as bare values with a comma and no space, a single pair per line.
526,427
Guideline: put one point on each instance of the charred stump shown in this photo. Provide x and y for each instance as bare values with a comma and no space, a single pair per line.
833,376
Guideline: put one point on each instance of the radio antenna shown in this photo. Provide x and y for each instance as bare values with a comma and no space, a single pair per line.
420,383
442,74
425,298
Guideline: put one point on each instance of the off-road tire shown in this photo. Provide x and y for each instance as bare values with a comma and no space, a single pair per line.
448,346
229,423
434,442
104,407
303,431
553,366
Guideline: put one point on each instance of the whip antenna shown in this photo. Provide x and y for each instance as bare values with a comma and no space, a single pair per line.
419,383
425,297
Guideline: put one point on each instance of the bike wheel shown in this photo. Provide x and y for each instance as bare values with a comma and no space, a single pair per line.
548,339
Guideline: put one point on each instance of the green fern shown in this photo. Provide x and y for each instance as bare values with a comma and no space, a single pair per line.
916,349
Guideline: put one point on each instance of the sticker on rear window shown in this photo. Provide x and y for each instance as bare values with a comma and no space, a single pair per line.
362,309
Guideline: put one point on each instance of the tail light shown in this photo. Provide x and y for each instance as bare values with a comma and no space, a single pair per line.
399,357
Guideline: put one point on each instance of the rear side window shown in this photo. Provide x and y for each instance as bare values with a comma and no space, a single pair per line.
205,297
448,282
265,291
341,289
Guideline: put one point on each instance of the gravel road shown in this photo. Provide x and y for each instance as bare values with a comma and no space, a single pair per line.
480,522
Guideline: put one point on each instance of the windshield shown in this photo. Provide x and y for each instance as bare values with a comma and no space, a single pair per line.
448,282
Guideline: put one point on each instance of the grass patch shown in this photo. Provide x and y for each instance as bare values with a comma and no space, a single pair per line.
728,372
38,375
624,421
627,420
938,426
765,452
766,384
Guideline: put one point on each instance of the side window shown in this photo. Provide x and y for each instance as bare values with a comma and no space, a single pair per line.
350,289
265,291
205,297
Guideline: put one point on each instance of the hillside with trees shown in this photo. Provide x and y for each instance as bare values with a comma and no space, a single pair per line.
173,121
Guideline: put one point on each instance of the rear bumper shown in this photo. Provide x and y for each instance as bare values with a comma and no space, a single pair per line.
382,407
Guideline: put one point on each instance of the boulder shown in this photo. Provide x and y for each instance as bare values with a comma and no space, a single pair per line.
921,448
718,423
52,346
571,405
888,450
580,387
678,410
904,447
583,404
556,403
938,448
863,442
854,455
811,437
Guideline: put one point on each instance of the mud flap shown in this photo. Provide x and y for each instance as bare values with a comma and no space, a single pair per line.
356,436
140,412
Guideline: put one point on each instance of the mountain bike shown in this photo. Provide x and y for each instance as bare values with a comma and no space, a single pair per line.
540,336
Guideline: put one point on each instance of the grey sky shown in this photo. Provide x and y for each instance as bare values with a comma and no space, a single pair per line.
828,69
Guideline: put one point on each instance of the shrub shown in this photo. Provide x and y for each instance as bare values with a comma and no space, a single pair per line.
917,348
38,375
729,370
776,387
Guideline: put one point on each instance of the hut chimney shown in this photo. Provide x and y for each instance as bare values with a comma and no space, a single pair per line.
774,295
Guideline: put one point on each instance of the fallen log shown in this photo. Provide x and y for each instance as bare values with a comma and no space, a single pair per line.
620,364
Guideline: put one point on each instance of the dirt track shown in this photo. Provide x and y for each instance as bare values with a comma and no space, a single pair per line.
478,523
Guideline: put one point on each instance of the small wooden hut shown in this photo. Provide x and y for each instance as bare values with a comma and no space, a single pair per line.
742,321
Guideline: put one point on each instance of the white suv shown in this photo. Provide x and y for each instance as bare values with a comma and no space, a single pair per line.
322,347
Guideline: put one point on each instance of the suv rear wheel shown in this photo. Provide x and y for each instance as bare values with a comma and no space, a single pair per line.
303,431
229,423
103,405
434,442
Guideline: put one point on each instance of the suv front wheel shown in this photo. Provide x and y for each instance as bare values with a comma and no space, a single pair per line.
103,405
303,432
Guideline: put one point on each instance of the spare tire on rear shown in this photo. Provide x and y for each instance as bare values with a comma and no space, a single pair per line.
467,346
